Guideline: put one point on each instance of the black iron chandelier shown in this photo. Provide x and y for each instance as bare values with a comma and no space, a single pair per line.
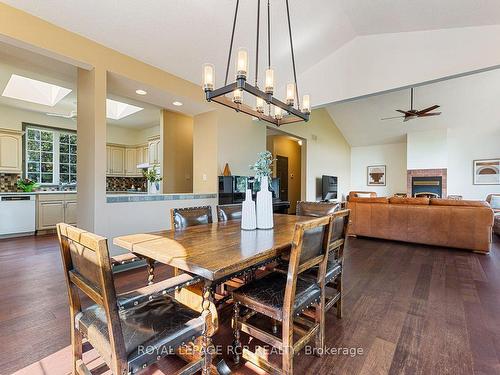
284,112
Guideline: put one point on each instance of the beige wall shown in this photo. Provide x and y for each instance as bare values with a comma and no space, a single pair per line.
205,169
326,151
227,136
130,136
12,118
287,147
177,152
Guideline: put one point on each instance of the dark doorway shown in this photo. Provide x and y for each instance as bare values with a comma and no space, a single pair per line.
282,174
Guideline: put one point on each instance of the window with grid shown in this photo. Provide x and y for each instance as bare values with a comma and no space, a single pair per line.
50,156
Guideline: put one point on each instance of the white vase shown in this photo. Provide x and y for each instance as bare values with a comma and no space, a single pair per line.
154,188
248,216
264,205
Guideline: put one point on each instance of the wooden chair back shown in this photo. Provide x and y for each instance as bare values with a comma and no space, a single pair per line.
181,218
226,212
87,268
309,249
316,209
339,229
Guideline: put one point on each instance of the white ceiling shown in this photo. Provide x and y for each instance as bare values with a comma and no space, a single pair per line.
471,101
180,35
17,61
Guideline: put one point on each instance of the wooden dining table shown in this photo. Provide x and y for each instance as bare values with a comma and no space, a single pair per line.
215,252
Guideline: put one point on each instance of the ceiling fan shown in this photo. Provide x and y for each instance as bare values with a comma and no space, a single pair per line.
413,113
72,115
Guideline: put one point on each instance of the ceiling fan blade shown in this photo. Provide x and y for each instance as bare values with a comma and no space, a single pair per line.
407,113
427,109
390,118
430,114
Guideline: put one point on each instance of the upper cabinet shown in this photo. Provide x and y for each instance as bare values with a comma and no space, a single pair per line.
122,161
154,151
11,146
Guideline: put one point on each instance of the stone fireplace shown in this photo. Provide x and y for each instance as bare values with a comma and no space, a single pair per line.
427,182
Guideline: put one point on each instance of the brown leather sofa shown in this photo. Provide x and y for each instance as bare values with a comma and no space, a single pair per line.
359,194
453,223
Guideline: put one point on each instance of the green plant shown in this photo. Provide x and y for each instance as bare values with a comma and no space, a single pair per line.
26,185
262,166
151,175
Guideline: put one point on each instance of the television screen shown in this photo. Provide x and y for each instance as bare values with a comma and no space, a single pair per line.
329,187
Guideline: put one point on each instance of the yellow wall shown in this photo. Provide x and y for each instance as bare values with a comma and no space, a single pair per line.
287,147
205,153
177,152
12,118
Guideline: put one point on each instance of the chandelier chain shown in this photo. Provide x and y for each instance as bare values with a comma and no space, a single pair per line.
257,46
268,35
293,54
232,39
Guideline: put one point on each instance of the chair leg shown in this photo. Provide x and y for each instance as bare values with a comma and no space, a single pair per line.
76,347
287,360
339,302
236,333
320,319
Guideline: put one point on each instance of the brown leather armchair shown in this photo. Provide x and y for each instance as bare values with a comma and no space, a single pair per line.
488,199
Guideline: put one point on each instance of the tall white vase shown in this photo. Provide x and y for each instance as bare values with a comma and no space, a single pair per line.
264,205
248,215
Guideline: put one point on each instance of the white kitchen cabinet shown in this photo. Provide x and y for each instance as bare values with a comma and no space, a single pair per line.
130,162
115,162
11,145
50,213
70,212
56,208
154,151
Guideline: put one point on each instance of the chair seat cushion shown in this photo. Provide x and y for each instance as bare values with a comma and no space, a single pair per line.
266,295
151,329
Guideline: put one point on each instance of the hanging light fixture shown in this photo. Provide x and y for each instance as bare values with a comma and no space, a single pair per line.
283,112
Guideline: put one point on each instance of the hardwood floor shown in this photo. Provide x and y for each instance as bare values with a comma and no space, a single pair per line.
412,309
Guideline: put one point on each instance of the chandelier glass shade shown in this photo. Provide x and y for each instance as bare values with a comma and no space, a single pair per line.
266,106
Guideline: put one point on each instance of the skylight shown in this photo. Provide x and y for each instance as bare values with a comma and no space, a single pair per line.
34,91
117,110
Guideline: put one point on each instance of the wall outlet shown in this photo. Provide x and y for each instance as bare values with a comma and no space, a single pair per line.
204,177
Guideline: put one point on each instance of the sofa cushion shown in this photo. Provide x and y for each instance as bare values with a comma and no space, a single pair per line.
416,201
454,202
370,200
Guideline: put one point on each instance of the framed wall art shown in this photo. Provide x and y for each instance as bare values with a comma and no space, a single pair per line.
376,175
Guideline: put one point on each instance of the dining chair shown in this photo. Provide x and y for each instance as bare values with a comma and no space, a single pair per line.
340,222
285,298
227,212
129,331
181,218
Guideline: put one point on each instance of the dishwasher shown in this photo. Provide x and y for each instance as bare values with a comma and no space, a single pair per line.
17,215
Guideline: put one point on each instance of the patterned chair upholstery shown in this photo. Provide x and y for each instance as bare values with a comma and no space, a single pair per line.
182,218
228,212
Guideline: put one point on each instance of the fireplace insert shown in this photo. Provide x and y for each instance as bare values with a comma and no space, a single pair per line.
430,187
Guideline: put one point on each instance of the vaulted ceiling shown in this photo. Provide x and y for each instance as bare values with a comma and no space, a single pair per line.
344,48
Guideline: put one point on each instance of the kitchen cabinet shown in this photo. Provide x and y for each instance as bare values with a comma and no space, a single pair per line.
56,208
131,162
122,161
11,145
154,151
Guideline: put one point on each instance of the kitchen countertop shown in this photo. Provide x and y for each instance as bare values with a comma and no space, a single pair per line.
145,197
38,192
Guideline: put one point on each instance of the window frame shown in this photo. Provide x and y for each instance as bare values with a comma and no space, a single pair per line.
56,152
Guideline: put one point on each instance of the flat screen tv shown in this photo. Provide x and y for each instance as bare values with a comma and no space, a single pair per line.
329,187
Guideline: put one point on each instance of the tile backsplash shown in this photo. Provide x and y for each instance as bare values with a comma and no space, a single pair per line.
8,182
125,183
